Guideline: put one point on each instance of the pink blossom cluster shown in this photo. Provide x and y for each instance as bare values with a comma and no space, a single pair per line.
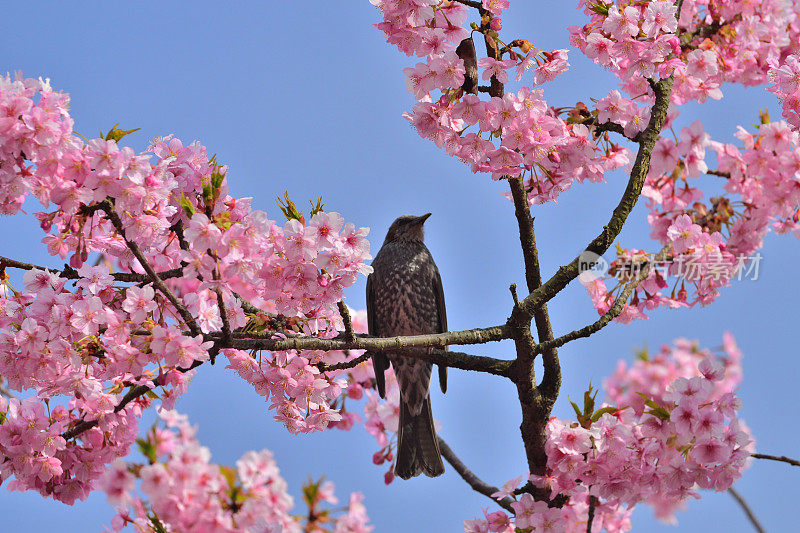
786,86
422,27
715,41
180,489
381,420
304,398
676,430
711,242
531,515
300,266
34,452
81,338
517,134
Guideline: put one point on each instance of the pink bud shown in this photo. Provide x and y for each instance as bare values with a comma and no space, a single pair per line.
355,391
496,24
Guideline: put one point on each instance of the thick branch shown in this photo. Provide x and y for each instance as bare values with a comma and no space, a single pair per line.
249,341
746,508
551,382
472,480
71,273
460,360
781,458
565,274
536,402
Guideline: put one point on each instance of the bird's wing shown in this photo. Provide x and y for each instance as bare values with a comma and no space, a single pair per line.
379,361
441,311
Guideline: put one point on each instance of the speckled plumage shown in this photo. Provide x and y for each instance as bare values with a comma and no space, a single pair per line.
404,297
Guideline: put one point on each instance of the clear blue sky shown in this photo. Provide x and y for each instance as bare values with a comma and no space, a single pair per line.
306,96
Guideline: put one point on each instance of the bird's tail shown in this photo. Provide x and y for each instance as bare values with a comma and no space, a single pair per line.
417,447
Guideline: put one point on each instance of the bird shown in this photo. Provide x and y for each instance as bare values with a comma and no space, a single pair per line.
405,297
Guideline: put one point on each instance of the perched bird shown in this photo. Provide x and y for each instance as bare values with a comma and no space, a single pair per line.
405,297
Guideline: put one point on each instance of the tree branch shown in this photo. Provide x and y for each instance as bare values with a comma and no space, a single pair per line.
781,458
250,341
612,126
107,206
719,173
612,313
536,402
470,3
565,274
746,508
71,273
472,480
135,392
590,519
348,322
346,364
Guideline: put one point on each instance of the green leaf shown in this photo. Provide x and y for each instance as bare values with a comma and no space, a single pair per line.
658,411
158,527
115,134
310,491
217,179
289,208
229,473
187,206
318,208
577,409
610,409
599,7
148,449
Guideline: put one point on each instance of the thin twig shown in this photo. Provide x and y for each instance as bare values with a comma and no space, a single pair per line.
746,508
472,480
135,392
513,289
470,3
782,458
348,322
719,173
616,128
590,519
346,364
612,313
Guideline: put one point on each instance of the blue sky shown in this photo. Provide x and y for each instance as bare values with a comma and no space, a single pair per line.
307,97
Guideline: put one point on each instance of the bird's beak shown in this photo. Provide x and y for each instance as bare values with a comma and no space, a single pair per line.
421,220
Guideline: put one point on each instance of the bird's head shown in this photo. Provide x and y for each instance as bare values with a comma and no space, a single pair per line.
407,228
